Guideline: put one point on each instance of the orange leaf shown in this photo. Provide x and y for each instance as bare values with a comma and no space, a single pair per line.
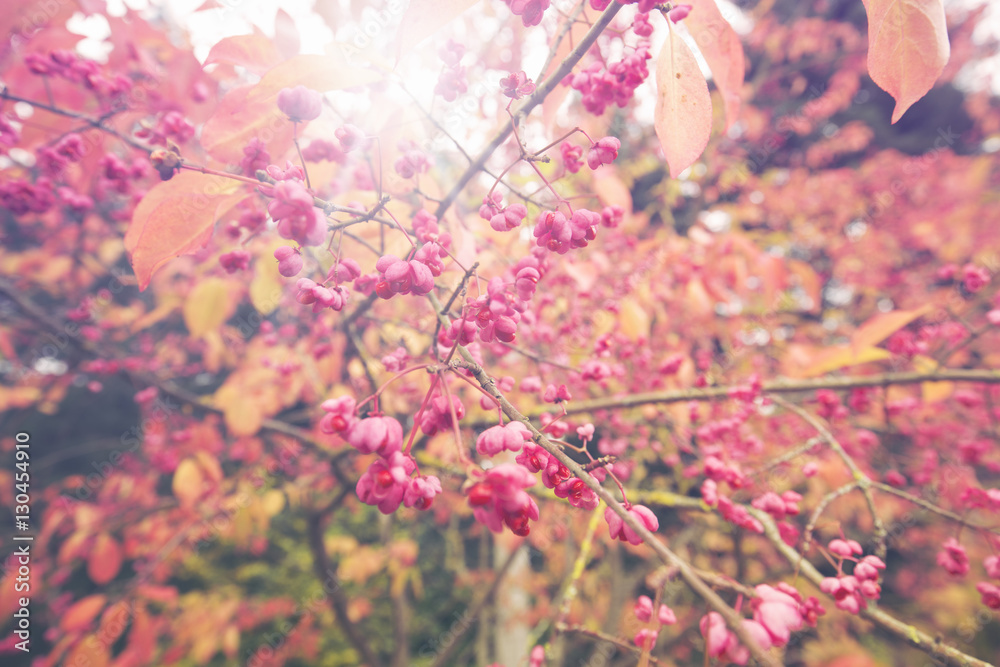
254,52
80,615
883,325
840,356
175,218
907,48
90,651
236,121
721,47
321,73
683,118
188,482
423,18
105,559
610,188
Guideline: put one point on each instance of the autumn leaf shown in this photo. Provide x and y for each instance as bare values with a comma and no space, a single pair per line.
90,651
207,306
256,53
236,121
883,325
188,482
105,559
907,48
82,613
286,34
722,50
423,18
321,73
175,218
267,285
683,117
841,356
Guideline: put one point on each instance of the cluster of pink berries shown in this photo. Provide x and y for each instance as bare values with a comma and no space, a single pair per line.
451,83
530,11
643,609
990,592
517,85
777,612
502,218
852,592
603,85
500,499
291,206
413,161
604,151
389,480
69,66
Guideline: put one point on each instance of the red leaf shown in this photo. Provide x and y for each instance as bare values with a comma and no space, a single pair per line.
721,47
175,218
79,616
907,48
105,559
254,52
683,117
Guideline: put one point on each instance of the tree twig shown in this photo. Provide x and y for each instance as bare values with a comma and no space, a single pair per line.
327,574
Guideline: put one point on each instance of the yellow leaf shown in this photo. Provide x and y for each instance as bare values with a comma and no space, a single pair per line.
231,641
242,416
273,502
932,391
188,482
267,285
207,306
633,320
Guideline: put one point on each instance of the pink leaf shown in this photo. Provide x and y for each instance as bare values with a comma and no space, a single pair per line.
286,35
907,48
237,120
721,47
683,117
254,52
423,18
321,73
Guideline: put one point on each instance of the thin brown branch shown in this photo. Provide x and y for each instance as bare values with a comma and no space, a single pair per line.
703,590
931,507
932,646
786,387
604,637
536,98
863,481
327,574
